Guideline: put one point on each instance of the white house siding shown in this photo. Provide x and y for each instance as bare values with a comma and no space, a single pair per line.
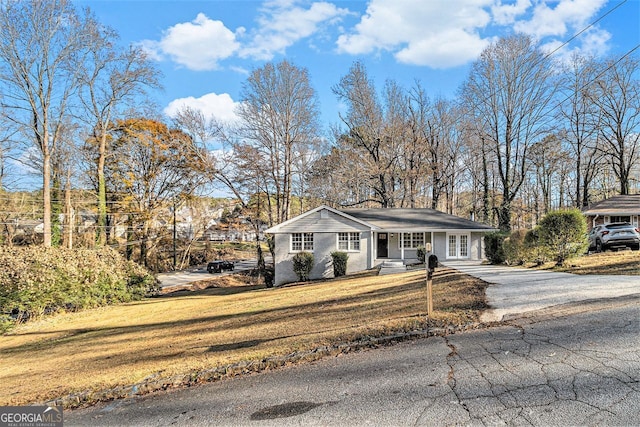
323,244
439,245
476,246
315,223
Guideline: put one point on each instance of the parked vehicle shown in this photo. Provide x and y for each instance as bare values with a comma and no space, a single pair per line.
614,235
219,265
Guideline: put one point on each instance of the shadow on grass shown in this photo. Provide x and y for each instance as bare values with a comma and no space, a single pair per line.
211,291
388,299
236,345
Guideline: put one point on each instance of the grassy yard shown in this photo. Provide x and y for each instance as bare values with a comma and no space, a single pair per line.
188,332
622,262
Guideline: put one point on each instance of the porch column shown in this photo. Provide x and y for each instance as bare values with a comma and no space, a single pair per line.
372,246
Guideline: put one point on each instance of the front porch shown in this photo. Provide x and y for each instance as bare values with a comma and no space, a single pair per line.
402,246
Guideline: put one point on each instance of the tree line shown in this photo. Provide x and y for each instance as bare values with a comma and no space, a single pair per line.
525,134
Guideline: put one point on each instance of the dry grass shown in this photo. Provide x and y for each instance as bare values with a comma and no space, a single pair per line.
191,331
622,262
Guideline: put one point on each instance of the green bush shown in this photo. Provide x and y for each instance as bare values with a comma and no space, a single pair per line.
493,246
302,265
38,280
537,252
339,263
564,234
515,251
421,253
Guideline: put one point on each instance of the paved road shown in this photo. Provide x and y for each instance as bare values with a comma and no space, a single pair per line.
576,366
195,274
518,290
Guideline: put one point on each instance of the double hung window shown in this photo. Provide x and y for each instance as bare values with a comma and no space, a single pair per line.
412,240
349,241
301,242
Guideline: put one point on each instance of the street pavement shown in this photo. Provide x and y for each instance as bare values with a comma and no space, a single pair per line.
574,365
514,291
183,278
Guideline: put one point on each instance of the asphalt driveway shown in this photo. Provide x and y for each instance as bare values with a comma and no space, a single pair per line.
514,291
183,278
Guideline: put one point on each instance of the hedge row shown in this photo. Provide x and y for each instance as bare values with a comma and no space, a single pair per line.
38,280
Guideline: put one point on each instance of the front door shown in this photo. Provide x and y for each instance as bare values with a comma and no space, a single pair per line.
383,245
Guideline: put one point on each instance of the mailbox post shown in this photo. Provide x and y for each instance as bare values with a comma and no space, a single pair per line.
431,262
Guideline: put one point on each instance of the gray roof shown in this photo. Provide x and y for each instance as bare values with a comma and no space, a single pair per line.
628,204
408,219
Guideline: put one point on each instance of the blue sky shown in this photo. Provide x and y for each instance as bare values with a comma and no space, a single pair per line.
206,48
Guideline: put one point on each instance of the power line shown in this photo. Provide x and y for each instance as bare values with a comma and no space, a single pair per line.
585,29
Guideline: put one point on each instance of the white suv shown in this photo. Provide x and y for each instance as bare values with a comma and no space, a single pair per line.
614,235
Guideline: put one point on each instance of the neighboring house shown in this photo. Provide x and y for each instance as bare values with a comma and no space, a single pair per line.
372,236
614,209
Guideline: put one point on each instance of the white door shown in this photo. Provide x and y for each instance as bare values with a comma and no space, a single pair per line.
457,246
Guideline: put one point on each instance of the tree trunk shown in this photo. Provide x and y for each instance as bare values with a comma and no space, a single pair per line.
46,195
101,237
68,217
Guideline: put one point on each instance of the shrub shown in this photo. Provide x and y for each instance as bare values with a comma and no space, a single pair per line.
339,263
302,265
537,252
564,234
493,246
38,280
421,252
515,251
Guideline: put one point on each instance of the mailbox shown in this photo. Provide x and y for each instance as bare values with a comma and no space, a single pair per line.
432,263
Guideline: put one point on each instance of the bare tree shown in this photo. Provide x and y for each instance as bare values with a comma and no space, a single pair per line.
509,91
365,126
581,118
39,41
279,113
111,78
414,156
617,95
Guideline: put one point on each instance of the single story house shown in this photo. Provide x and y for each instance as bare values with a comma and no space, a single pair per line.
371,237
614,209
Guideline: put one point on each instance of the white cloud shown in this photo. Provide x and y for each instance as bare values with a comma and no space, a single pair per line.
555,22
198,45
547,21
447,49
437,33
220,106
594,43
506,14
283,23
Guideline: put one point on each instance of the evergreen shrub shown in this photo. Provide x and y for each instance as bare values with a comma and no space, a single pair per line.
302,265
339,263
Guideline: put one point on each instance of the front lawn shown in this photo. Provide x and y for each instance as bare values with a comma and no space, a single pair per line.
191,332
621,262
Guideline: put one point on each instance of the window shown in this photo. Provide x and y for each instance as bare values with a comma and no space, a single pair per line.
621,219
301,242
411,240
349,241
